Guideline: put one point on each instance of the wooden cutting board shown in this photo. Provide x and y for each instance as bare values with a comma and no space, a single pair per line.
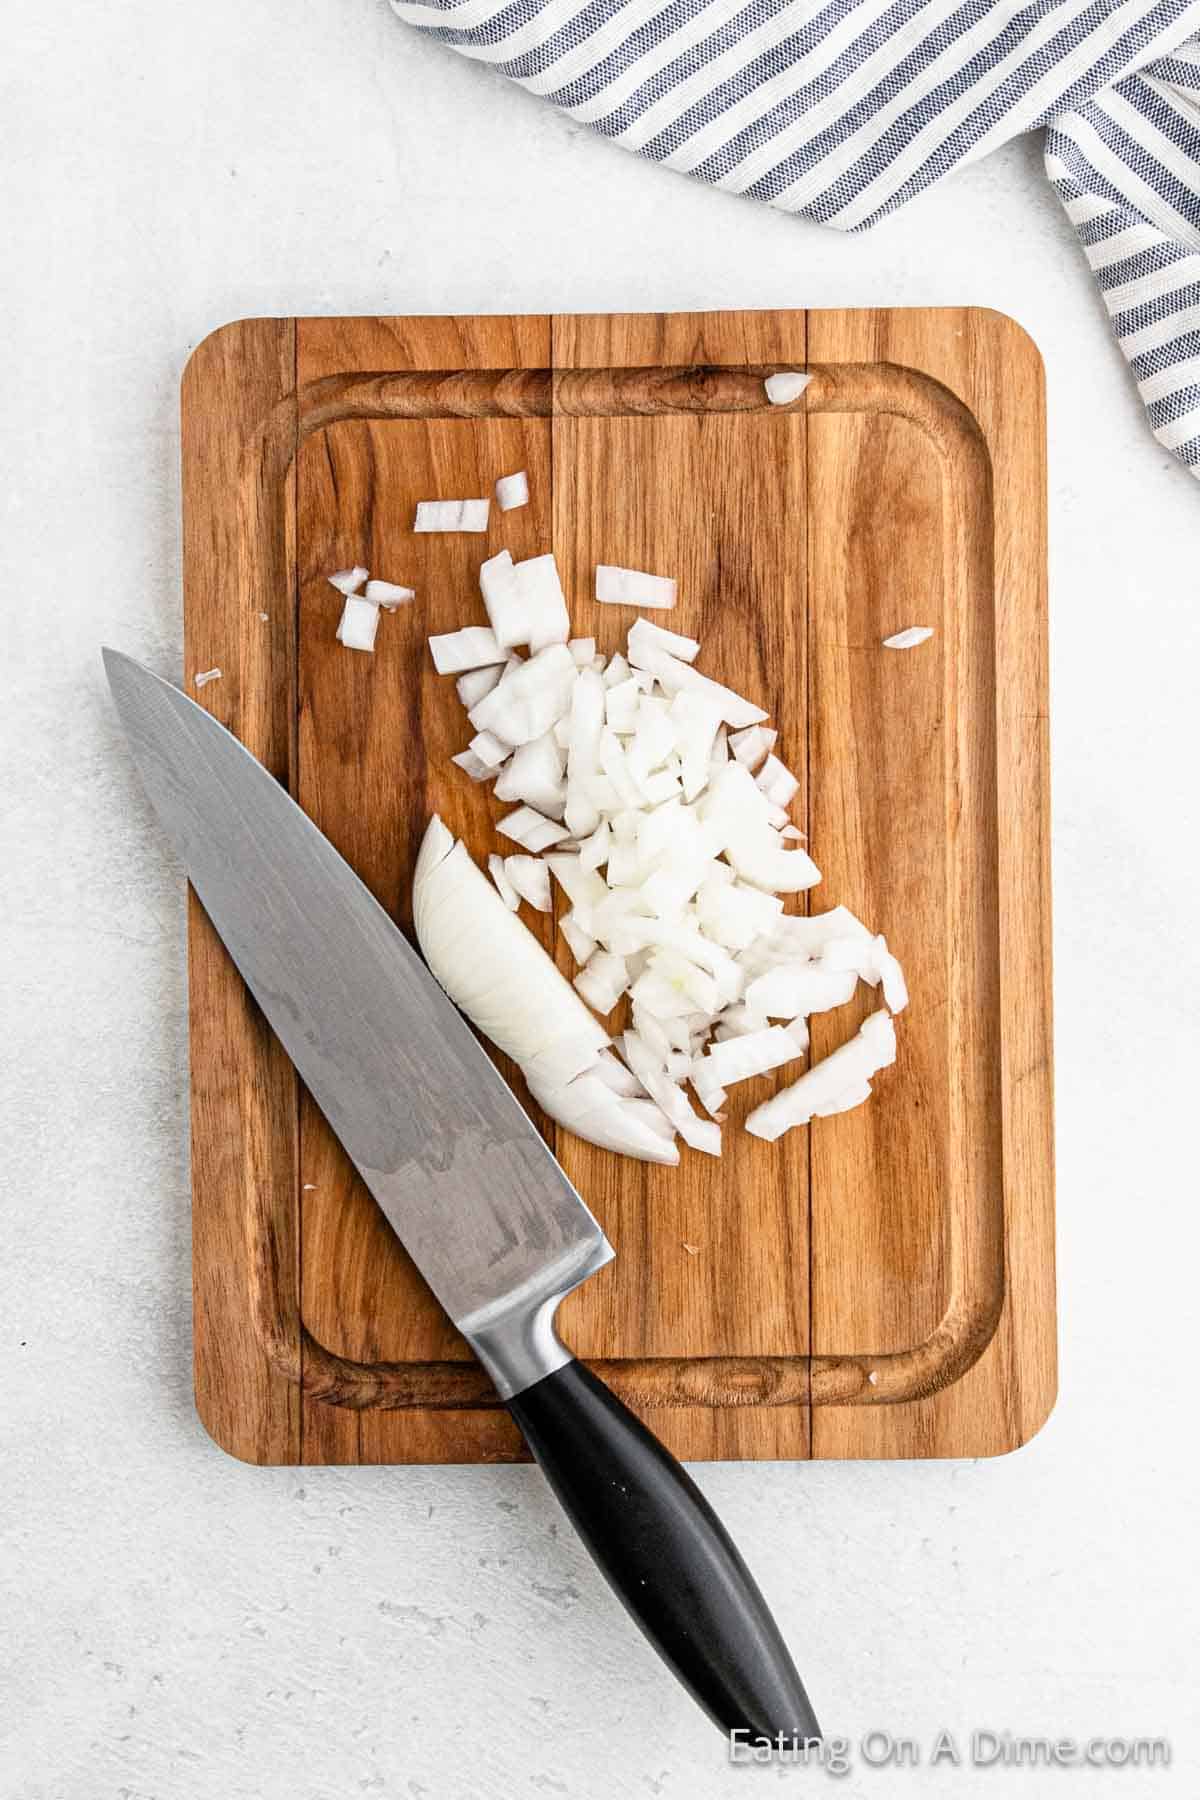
880,1284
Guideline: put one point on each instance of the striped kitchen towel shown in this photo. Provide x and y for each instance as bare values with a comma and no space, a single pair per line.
844,110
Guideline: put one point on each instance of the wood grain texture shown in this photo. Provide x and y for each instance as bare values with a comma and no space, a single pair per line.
879,1285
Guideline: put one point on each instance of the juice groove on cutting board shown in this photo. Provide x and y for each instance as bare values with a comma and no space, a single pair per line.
910,1241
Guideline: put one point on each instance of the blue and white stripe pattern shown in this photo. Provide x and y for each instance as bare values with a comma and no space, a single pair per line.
843,110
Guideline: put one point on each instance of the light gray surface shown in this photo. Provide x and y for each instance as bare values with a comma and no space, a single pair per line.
179,1627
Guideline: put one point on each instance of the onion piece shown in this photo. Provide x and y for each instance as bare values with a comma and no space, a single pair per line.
734,915
583,650
358,624
676,677
609,1069
530,878
785,387
697,1132
347,581
451,515
593,851
534,773
472,686
541,592
616,670
583,751
489,749
602,980
711,1094
752,1053
583,887
512,491
909,638
471,648
470,763
621,706
751,745
590,1108
633,587
776,781
203,676
800,989
579,942
531,697
827,1083
493,967
645,638
504,886
530,829
388,595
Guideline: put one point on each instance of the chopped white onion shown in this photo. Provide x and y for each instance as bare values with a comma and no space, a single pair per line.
489,749
785,387
204,676
675,875
358,624
751,745
909,638
471,648
645,636
534,773
633,587
531,830
388,595
531,697
471,765
752,1053
826,1087
602,980
347,581
777,782
504,886
530,878
579,942
472,686
512,491
699,1133
452,515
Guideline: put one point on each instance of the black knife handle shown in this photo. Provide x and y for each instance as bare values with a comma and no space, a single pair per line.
666,1554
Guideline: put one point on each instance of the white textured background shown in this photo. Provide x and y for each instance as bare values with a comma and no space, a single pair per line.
175,1626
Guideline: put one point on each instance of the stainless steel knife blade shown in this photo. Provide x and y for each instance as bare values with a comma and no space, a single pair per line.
462,1177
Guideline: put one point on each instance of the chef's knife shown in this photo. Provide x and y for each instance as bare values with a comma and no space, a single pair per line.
466,1183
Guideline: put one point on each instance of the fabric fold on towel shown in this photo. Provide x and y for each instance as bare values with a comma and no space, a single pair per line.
845,111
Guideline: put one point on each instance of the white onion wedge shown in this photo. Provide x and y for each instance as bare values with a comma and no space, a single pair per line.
489,749
602,980
645,637
493,968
